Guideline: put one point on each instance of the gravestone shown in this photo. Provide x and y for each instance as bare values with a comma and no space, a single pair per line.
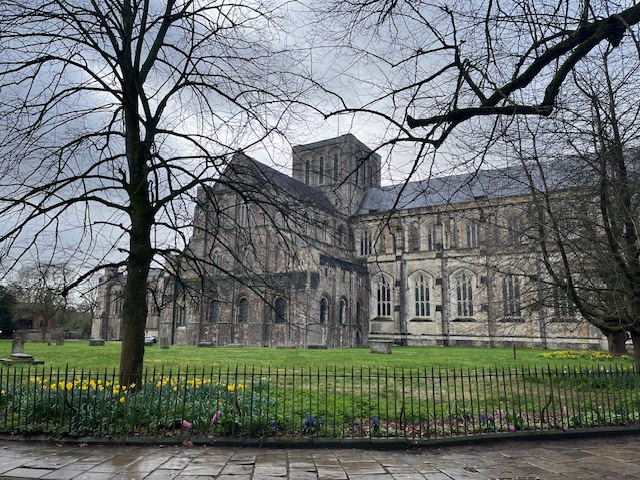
60,340
380,346
17,346
18,355
164,343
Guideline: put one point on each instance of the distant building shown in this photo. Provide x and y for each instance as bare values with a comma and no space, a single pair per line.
328,257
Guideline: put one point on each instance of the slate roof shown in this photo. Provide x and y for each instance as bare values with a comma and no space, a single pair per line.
265,178
457,189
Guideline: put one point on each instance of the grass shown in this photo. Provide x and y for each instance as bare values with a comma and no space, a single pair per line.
335,393
79,355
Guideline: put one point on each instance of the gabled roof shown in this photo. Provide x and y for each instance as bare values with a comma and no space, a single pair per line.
481,185
266,180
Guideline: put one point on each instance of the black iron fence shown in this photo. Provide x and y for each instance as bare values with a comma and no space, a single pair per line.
336,402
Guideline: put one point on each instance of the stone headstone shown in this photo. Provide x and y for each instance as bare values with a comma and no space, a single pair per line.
17,346
164,343
96,342
60,340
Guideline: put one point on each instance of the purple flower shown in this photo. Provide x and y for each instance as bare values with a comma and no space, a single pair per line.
483,418
512,428
186,424
216,416
375,421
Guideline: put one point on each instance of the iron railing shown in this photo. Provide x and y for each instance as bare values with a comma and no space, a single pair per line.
334,402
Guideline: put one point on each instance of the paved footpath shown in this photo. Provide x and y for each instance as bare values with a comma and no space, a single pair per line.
587,458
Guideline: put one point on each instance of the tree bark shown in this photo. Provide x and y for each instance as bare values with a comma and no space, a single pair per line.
616,342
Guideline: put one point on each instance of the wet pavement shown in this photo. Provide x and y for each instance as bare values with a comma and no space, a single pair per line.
522,459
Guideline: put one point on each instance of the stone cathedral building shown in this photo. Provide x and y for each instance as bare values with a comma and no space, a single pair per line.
328,257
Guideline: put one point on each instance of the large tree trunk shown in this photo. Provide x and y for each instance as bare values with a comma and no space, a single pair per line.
134,318
617,343
141,213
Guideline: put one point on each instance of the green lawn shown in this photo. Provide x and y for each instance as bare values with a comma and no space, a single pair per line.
78,355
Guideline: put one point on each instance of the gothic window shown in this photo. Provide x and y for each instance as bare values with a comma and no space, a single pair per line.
321,172
464,295
515,231
431,236
119,303
455,233
214,308
281,309
414,238
365,243
244,215
473,235
343,311
307,169
421,296
358,313
340,236
243,310
511,296
324,310
382,244
181,314
383,299
216,259
565,308
336,168
247,260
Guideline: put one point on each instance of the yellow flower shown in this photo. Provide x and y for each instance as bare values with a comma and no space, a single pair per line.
121,399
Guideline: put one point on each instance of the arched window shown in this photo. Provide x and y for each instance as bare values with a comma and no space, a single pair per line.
214,308
336,168
414,238
307,169
119,303
473,235
565,308
421,296
383,298
244,215
181,314
243,310
365,243
281,310
381,246
358,313
343,311
216,260
511,296
515,230
464,295
247,260
324,310
321,171
432,239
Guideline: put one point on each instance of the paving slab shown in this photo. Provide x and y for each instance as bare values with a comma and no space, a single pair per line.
570,459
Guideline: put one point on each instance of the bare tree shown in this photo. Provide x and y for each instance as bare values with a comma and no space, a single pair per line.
588,232
113,112
39,291
442,65
478,74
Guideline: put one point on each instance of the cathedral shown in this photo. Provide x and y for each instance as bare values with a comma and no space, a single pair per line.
330,258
